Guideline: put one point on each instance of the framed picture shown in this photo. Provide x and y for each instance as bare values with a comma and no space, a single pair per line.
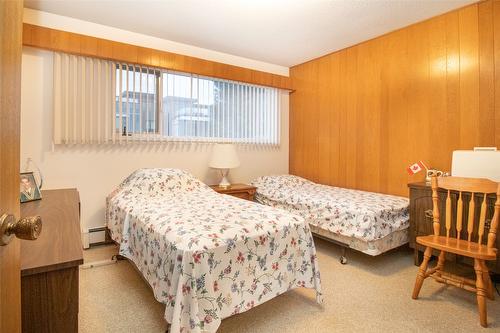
28,189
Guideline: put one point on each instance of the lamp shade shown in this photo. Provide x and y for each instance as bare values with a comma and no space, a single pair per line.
224,157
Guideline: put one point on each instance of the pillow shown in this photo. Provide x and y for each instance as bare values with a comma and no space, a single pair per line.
162,182
279,181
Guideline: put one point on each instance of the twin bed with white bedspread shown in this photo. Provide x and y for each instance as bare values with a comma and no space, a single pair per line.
369,222
206,255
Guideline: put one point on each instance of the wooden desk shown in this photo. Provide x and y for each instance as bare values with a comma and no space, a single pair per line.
49,265
421,220
242,191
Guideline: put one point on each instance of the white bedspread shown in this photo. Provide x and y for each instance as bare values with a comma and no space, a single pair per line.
207,255
363,215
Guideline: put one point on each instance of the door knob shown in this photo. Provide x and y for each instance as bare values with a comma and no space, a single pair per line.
28,228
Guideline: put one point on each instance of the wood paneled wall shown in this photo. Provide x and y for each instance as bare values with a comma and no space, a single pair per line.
360,116
57,40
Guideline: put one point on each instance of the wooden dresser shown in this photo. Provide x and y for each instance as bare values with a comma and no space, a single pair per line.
49,265
421,220
242,191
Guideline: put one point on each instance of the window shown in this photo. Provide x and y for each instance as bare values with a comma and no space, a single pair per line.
136,100
193,108
207,109
98,101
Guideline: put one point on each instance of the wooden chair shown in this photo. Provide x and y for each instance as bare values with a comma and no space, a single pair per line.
479,189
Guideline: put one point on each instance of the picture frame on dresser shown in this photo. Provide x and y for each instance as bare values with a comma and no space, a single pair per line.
28,188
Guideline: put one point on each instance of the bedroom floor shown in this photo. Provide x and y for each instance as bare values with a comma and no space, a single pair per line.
370,294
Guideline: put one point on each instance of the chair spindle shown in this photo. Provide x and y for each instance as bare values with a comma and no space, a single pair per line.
470,222
459,215
492,235
435,204
448,214
482,220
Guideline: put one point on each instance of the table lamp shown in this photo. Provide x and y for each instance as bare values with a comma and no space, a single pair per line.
224,157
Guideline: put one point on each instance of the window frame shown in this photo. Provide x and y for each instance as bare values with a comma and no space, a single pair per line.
158,114
161,114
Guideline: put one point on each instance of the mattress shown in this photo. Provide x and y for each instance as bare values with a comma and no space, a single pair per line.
206,255
365,220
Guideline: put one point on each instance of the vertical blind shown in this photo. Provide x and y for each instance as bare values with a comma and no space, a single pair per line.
99,101
83,99
198,108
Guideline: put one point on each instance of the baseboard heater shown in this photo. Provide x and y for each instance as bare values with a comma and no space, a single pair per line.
96,236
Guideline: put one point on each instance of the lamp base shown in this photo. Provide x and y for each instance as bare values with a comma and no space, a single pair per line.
224,183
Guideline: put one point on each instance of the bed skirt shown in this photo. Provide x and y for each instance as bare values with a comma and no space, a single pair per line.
373,248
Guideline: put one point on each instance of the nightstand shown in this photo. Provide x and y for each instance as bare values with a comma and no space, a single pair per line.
242,191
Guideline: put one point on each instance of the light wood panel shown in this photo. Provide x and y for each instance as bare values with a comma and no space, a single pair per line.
414,94
486,72
496,48
325,133
57,40
11,18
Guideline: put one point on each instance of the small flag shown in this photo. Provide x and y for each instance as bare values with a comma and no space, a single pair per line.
415,168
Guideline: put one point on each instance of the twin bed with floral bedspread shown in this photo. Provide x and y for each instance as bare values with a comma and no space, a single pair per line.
206,255
369,222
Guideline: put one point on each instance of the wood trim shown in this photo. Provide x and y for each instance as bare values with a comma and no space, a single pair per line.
63,41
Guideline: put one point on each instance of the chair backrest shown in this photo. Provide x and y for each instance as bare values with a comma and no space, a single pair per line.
476,187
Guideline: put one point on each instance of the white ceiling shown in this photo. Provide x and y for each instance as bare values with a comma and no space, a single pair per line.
281,32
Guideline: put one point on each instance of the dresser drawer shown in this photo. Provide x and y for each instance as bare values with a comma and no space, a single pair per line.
241,191
246,196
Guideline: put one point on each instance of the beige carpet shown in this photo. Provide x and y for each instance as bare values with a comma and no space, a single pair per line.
370,294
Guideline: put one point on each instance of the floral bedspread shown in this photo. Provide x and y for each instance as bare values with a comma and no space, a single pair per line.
364,215
206,255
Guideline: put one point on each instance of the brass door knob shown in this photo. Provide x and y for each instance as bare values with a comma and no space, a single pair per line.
28,228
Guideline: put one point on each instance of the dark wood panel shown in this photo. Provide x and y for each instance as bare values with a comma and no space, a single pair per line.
50,302
57,40
59,244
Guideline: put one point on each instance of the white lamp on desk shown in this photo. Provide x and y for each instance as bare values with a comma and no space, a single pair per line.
224,157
